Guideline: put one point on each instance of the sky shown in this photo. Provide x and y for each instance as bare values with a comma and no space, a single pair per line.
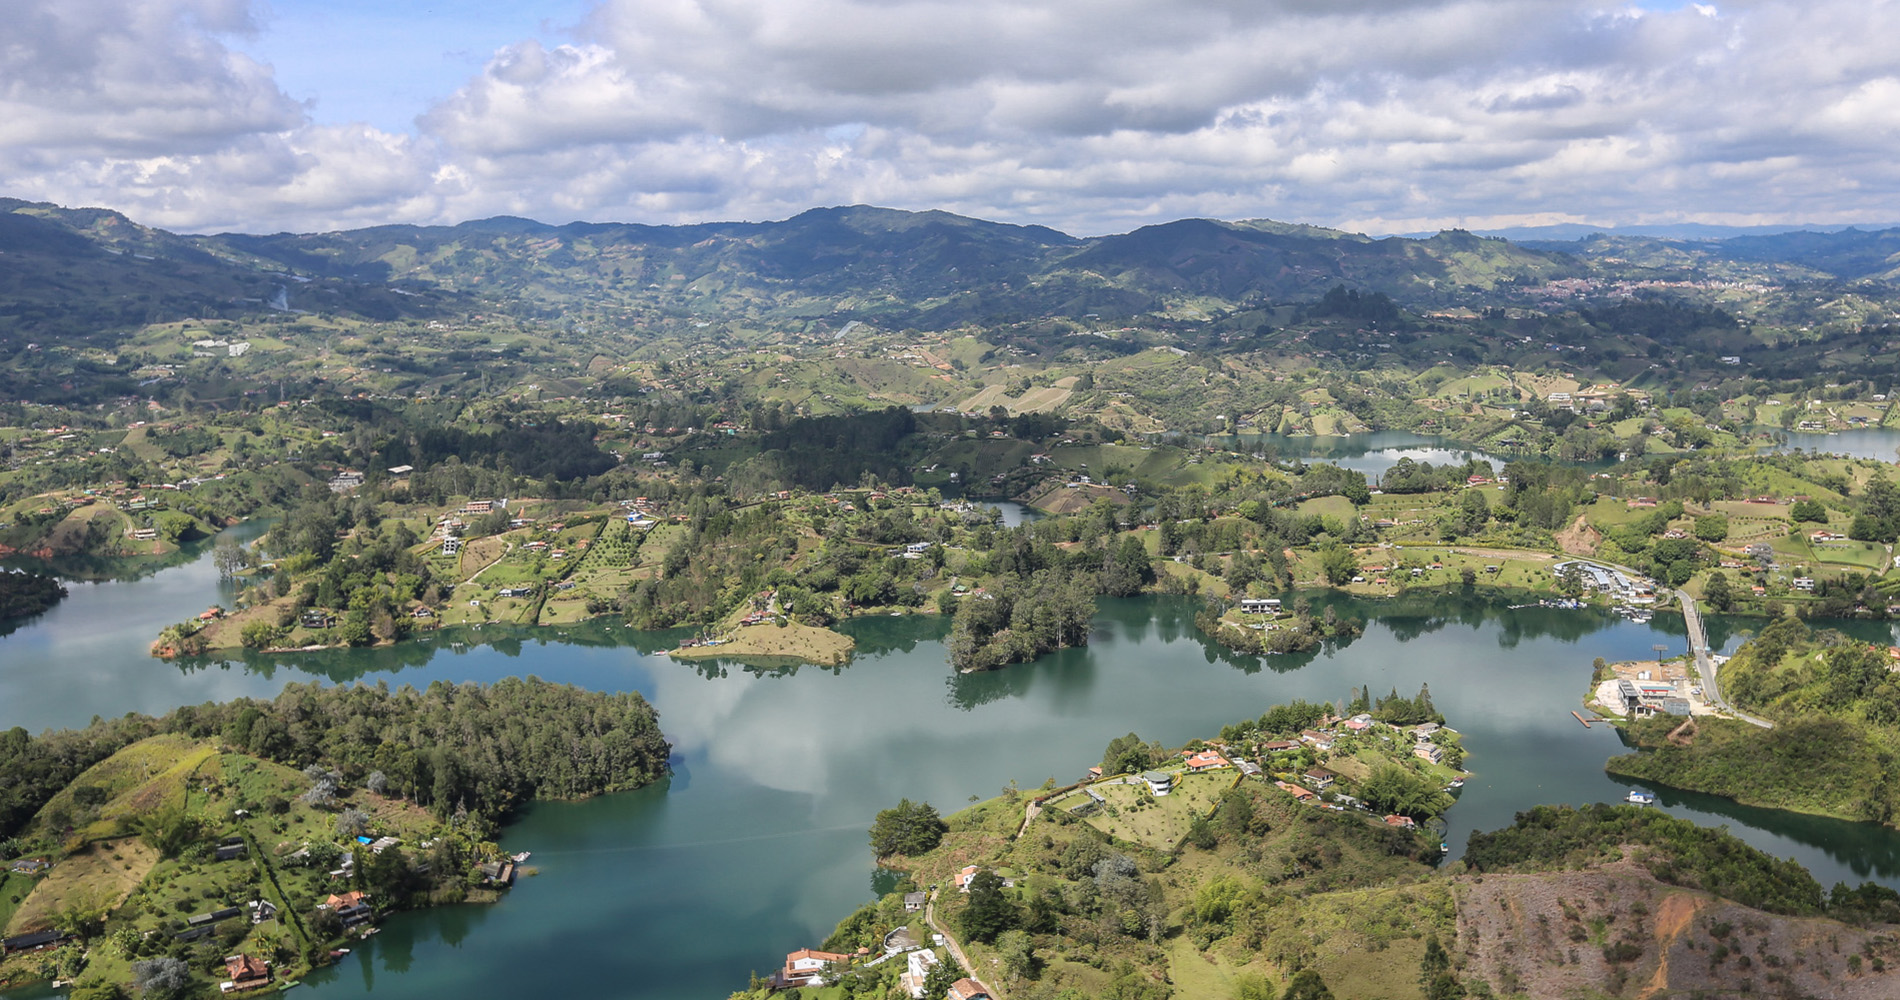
1089,116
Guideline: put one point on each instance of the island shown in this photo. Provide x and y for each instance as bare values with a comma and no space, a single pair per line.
244,843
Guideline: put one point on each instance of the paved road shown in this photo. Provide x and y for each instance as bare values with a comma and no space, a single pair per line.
956,951
1705,666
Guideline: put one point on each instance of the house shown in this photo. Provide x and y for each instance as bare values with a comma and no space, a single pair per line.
1429,752
245,972
1247,768
1260,605
1320,777
31,942
965,876
913,901
1359,723
1159,782
230,852
967,989
1278,746
1206,760
339,901
1402,822
1300,794
1827,536
498,872
1424,730
30,866
1094,773
806,967
1320,740
919,963
1804,583
262,910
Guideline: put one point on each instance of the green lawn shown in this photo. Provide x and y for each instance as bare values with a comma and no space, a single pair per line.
1135,815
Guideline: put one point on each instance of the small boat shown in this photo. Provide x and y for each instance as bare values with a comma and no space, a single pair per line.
1642,799
523,856
288,984
1456,783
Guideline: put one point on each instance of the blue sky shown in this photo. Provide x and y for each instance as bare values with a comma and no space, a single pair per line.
1090,116
382,62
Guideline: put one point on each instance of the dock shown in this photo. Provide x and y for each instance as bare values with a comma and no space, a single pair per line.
1580,718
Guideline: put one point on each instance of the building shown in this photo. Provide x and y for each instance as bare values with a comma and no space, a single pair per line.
1402,822
1320,740
31,942
918,966
1429,752
913,901
806,967
968,989
1159,782
245,972
1320,777
1260,605
1206,760
1298,793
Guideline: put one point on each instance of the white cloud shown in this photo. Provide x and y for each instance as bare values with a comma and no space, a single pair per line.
1089,115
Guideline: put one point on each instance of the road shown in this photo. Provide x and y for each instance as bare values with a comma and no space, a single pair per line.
956,950
1705,666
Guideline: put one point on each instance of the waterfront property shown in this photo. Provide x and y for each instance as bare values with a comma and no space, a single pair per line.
807,967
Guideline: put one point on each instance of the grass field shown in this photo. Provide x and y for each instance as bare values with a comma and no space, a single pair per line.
1135,815
97,877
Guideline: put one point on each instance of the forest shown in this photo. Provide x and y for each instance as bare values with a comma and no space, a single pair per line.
23,594
1675,851
482,750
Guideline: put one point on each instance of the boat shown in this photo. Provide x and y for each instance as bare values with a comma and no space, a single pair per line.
523,856
1456,783
288,984
1642,798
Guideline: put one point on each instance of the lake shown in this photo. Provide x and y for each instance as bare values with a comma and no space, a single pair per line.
1372,453
757,845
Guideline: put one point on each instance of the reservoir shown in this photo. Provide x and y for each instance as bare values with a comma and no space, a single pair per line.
757,845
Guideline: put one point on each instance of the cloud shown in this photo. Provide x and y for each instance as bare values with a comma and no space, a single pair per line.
1089,116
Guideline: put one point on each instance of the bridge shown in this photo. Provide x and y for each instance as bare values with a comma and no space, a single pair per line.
1705,665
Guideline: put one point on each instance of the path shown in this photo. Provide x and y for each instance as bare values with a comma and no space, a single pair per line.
1705,666
956,950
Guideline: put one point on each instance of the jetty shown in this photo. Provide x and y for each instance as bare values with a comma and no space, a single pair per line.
1580,718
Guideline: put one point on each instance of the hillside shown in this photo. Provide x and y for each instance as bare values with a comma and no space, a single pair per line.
149,842
1251,886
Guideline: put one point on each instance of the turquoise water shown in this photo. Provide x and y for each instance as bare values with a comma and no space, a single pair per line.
757,845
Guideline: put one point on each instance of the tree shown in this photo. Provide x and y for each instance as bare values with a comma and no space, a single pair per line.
1306,985
990,912
1018,954
161,978
228,556
1717,592
1338,564
351,822
1808,510
1711,527
907,828
1125,755
377,782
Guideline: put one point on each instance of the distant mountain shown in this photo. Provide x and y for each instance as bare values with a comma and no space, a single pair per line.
79,272
1570,232
894,268
71,274
1847,254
